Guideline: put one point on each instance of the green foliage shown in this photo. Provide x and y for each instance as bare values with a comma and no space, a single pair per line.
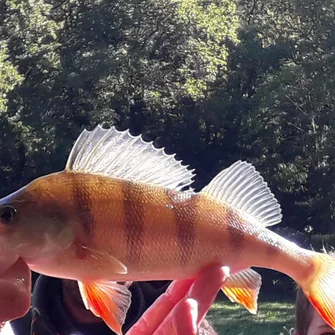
125,62
212,81
273,318
300,114
9,76
211,24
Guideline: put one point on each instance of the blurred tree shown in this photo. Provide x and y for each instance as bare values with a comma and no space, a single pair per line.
124,62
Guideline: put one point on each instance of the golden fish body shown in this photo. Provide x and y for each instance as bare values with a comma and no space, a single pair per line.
119,212
157,234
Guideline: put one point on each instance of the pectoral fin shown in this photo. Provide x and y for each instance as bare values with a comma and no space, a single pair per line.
107,300
243,288
103,259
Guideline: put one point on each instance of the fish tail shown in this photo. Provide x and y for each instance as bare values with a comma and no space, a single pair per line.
320,287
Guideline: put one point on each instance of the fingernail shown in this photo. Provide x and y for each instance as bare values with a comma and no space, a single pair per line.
226,271
194,311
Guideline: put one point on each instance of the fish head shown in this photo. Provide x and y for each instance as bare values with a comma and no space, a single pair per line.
33,224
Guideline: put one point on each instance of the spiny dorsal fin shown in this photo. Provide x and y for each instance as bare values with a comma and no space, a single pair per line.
242,187
118,154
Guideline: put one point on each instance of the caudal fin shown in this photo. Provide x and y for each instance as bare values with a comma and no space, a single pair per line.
320,289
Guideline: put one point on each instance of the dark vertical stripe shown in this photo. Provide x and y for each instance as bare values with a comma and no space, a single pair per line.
185,219
235,230
53,209
134,221
83,205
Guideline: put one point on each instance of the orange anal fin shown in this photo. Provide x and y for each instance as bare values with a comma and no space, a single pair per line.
243,288
107,300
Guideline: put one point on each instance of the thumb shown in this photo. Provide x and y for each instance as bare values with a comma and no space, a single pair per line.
15,291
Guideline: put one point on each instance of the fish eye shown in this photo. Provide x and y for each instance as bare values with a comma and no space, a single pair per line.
7,214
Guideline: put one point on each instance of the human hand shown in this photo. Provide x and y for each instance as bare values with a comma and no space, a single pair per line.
181,309
15,291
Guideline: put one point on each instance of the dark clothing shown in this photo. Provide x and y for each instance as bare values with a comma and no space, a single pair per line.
48,316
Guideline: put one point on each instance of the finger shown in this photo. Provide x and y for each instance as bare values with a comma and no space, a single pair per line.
206,287
15,291
154,315
7,262
188,325
182,320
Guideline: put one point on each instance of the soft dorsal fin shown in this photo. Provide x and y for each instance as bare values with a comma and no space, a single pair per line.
242,187
118,154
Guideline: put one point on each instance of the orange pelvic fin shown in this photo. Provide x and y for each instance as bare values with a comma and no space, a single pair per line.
243,288
320,288
107,300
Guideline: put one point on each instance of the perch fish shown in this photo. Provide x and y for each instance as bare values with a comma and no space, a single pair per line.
122,210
